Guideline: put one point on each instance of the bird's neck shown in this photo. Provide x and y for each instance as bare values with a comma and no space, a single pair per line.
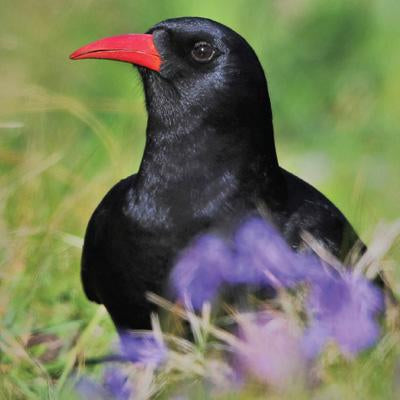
196,157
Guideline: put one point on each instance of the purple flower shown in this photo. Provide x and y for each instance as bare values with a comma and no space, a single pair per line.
258,256
200,270
260,248
264,257
271,349
117,385
143,348
89,390
341,306
342,309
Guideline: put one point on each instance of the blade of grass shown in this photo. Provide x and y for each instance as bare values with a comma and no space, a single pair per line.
83,339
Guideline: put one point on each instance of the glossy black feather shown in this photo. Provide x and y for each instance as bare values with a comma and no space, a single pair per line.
209,161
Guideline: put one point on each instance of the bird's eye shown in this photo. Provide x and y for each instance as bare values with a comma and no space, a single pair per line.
202,52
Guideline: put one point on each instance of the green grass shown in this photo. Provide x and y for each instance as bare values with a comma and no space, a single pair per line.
68,131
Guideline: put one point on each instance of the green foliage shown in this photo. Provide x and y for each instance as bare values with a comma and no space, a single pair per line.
68,131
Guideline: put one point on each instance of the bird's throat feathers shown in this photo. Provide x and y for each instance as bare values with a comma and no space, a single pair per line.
209,156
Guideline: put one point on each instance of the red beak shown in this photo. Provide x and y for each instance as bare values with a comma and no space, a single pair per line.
138,49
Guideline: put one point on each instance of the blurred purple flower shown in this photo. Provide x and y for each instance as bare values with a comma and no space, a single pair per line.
263,257
143,348
258,256
271,350
342,309
89,390
200,270
341,306
117,385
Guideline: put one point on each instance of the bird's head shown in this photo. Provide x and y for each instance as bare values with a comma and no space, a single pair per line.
193,66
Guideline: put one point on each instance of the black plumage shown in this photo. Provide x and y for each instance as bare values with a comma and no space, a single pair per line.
208,162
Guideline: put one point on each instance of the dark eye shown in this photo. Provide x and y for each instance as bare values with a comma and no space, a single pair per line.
202,52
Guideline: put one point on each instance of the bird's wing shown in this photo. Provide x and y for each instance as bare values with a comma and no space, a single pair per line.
309,210
94,254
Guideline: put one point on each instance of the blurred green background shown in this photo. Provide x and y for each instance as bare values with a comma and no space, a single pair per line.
69,131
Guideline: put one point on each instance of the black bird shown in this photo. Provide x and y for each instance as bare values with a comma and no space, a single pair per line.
209,160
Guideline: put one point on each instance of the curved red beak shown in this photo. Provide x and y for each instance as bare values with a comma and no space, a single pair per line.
138,49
